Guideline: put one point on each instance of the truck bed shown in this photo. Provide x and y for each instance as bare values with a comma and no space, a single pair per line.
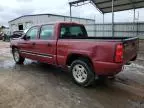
130,44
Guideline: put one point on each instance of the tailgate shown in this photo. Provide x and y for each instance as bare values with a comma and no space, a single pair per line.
130,48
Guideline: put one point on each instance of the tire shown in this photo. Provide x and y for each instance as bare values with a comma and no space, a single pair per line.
82,73
17,57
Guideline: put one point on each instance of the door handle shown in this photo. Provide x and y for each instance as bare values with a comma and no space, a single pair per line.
34,43
49,44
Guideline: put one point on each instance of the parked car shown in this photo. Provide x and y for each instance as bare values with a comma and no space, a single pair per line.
1,35
17,34
4,37
67,45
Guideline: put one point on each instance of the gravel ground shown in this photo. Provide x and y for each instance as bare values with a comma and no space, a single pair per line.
37,85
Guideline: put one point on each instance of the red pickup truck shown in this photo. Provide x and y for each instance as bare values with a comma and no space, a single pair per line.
67,45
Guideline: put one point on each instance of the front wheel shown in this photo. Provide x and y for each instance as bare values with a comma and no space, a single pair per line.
82,72
17,57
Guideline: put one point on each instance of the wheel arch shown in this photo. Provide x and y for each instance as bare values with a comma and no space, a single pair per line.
75,56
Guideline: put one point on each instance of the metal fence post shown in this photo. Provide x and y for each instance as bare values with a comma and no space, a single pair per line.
134,24
103,25
95,27
112,18
70,12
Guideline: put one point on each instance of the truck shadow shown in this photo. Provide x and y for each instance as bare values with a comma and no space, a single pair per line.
42,69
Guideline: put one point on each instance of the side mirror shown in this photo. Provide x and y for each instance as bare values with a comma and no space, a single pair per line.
26,37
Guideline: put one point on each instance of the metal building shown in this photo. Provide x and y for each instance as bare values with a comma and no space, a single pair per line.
26,21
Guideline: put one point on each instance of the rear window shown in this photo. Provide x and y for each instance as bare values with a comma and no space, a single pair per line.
70,31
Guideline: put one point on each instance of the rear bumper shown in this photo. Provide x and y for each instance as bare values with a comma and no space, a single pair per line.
106,68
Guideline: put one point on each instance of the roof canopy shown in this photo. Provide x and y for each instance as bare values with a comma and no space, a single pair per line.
105,6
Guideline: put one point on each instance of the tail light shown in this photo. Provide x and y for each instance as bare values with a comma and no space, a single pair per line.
119,53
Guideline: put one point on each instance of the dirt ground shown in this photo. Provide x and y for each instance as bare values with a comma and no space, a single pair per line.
37,85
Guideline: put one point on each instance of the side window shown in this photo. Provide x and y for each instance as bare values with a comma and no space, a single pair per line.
46,32
33,32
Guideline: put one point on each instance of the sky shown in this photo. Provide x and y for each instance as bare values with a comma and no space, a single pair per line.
10,9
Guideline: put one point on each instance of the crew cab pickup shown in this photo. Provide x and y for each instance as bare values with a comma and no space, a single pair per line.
67,45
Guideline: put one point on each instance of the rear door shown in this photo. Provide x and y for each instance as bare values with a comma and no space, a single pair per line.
46,46
28,46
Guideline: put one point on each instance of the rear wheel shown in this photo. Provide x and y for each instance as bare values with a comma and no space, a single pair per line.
17,57
82,73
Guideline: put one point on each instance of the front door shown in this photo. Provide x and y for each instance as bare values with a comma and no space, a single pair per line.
28,46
